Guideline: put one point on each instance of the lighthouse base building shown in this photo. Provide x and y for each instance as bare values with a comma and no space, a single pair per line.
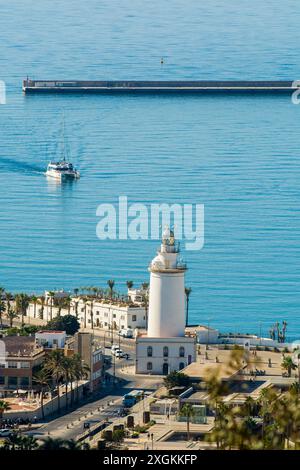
165,347
163,355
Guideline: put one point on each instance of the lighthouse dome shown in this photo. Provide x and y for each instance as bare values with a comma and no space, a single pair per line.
158,262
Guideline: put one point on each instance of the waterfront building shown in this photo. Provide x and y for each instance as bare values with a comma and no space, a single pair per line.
165,347
92,312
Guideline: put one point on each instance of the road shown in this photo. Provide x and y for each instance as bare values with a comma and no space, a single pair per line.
104,407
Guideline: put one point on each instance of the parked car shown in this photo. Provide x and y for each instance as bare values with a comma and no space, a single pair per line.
119,353
126,333
5,432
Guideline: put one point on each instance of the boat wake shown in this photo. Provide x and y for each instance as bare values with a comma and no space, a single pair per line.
11,165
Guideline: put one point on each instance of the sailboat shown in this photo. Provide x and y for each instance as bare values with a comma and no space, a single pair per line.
62,169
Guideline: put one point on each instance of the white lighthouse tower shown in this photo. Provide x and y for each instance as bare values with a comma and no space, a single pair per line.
165,347
166,299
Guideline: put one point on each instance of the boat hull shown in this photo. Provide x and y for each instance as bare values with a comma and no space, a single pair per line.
63,175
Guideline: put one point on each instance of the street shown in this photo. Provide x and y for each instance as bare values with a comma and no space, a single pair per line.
107,404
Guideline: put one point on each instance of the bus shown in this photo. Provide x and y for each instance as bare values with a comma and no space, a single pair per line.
131,398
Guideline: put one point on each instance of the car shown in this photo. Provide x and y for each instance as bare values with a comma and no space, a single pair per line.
5,432
119,353
114,347
126,333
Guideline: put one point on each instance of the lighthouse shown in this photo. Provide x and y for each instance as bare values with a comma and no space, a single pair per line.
166,297
165,347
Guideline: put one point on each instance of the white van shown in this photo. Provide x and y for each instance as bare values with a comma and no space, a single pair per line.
126,333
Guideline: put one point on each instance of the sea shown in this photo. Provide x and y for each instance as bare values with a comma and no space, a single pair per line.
238,155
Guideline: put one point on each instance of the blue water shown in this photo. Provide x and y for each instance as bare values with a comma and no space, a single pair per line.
237,155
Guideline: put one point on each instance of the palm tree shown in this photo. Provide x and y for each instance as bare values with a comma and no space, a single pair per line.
188,412
92,313
54,365
288,365
11,315
2,304
145,298
111,284
75,305
34,300
4,406
85,301
187,292
277,329
41,302
21,305
76,290
8,298
42,379
80,370
52,444
71,444
70,374
129,284
51,296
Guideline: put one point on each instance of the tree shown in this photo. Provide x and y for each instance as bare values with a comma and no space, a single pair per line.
129,284
176,379
11,315
42,379
288,365
188,412
67,323
53,444
2,304
111,284
68,369
34,299
4,406
51,296
92,313
80,370
118,435
21,305
54,365
146,305
187,292
41,302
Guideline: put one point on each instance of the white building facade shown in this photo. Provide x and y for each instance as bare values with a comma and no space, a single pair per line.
95,313
165,347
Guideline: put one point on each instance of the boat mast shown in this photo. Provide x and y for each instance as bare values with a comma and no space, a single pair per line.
63,137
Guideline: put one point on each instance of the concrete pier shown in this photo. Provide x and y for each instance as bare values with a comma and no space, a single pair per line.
159,86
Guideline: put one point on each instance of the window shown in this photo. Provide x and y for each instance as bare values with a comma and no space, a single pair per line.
133,317
149,365
24,381
2,380
25,365
166,351
12,365
12,381
181,365
181,351
114,315
149,351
